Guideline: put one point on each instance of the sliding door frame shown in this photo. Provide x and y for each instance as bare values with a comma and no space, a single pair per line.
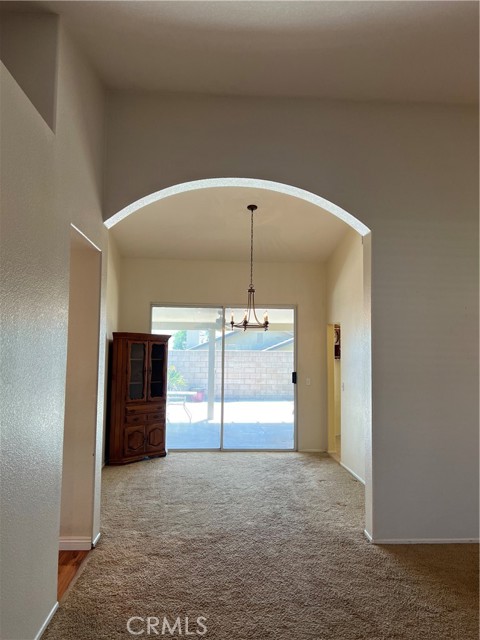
223,307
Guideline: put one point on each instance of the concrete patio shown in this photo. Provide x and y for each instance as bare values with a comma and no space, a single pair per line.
247,425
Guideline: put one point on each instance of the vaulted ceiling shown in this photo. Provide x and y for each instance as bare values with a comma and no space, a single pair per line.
402,51
423,51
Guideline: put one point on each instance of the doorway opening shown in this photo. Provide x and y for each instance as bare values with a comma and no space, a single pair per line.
334,389
228,389
80,422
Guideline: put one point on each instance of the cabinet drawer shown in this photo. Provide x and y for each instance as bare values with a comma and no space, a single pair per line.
139,408
135,419
156,417
143,408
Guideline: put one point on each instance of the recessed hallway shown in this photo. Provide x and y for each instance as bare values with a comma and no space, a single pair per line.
263,546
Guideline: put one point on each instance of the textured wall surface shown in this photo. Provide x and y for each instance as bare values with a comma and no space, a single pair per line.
48,181
33,352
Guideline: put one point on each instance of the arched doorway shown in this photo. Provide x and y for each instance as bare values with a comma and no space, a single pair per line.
363,391
269,185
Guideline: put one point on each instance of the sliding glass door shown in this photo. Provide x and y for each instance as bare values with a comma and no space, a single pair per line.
228,389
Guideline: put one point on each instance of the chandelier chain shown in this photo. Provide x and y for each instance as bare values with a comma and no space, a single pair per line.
250,319
251,250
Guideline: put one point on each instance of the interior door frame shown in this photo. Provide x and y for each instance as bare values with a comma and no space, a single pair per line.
81,427
224,308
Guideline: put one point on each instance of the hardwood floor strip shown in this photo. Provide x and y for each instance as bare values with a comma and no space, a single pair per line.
69,562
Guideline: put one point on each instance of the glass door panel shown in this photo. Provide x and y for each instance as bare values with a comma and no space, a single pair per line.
136,370
194,375
259,410
157,361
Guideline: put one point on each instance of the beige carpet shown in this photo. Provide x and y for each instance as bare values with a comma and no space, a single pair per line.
265,547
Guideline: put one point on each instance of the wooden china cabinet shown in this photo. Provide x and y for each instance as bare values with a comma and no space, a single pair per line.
138,397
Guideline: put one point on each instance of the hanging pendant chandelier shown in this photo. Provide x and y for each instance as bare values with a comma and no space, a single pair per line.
250,319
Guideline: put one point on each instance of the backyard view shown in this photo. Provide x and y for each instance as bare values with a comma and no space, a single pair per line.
258,395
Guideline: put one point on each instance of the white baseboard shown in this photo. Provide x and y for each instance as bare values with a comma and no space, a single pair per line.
47,622
68,543
357,477
96,539
420,540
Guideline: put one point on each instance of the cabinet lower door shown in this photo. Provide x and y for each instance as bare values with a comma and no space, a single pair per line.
155,438
134,440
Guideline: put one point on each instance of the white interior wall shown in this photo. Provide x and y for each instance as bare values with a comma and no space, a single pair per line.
78,475
345,307
79,149
32,354
36,74
113,287
48,181
410,173
337,376
147,281
112,302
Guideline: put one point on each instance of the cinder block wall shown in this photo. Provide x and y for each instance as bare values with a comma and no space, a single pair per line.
248,374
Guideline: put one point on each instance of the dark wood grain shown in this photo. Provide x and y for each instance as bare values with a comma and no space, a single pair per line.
69,562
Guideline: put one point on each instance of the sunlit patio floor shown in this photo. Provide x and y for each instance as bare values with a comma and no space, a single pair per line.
247,425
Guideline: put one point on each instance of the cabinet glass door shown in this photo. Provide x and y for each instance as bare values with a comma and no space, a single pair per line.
137,353
157,364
